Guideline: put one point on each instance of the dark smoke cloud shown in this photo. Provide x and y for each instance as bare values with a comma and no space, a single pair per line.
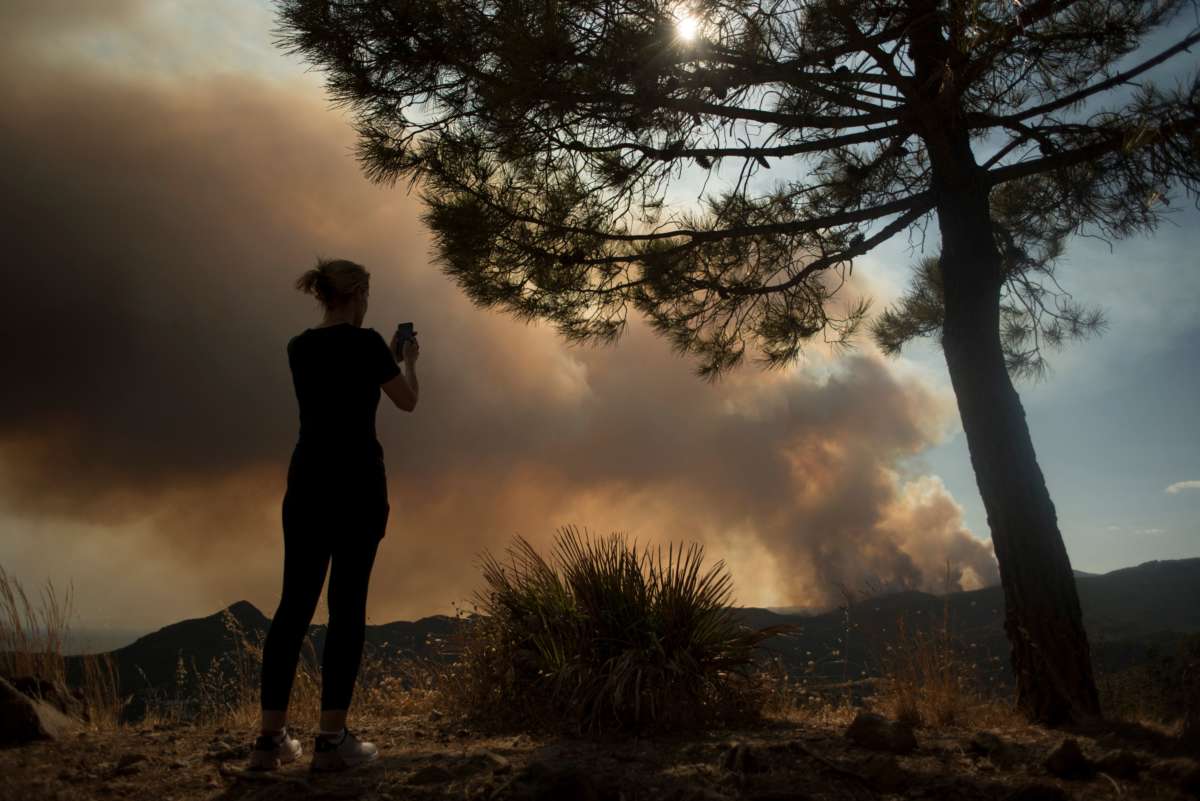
153,234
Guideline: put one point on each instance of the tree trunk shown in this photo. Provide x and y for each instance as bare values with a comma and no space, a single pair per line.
1050,654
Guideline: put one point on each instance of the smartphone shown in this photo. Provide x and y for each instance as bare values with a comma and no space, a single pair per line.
405,330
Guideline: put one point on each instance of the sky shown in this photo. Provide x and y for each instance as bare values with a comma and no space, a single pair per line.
168,173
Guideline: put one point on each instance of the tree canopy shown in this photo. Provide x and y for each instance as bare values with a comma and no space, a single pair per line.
553,141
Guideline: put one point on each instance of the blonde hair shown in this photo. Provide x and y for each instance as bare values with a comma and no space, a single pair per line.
334,281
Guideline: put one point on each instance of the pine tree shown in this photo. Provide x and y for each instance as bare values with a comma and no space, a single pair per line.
546,137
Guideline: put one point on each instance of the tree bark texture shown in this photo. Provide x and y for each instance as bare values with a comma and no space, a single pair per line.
1050,654
1051,659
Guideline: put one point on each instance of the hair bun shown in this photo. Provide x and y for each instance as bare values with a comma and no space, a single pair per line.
334,281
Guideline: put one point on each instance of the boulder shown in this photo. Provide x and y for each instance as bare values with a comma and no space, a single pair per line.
24,719
880,734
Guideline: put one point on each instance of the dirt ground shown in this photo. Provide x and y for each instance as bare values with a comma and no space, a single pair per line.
423,758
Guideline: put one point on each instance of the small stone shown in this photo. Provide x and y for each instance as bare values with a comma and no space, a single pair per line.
1068,762
430,774
434,716
1122,764
1038,792
880,734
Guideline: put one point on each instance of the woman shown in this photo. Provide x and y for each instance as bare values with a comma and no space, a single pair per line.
335,509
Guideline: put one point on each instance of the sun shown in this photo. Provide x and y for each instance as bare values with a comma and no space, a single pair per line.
687,27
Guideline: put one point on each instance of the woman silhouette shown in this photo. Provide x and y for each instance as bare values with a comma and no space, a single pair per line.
335,509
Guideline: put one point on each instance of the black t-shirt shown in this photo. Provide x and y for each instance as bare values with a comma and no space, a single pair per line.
337,371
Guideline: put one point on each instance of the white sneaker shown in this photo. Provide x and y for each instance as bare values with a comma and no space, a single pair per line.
269,752
334,754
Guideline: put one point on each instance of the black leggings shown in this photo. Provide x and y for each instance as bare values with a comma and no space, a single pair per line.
312,540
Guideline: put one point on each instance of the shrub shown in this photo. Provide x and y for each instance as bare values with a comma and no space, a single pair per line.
605,635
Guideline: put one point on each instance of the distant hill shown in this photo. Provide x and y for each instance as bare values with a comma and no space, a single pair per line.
150,662
1130,615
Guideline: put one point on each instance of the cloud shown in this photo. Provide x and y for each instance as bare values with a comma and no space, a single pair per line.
153,237
1182,486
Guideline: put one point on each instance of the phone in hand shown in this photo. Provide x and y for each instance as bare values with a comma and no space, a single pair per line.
404,333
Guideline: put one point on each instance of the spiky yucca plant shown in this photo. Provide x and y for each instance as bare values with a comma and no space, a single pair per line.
607,635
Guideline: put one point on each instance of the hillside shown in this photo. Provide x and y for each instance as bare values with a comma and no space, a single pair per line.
1131,615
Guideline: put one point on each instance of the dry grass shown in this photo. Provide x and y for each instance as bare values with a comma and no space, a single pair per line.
226,691
31,644
31,635
1161,693
789,697
929,678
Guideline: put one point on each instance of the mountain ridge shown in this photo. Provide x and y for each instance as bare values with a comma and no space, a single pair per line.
1128,613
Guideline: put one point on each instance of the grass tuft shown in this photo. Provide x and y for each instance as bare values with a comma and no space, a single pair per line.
607,636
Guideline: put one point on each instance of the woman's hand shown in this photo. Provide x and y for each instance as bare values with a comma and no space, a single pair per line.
412,349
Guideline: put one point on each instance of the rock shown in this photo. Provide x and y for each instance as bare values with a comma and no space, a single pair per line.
70,702
1038,792
1122,764
743,758
884,773
430,774
24,719
880,734
1068,762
